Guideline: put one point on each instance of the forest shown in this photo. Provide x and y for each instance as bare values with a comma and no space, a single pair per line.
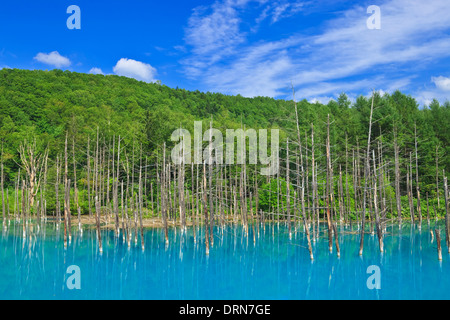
67,135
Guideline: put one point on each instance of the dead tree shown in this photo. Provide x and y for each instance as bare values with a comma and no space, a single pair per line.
163,196
66,197
410,189
375,202
210,176
347,191
205,209
116,190
75,191
329,189
140,201
181,202
437,176
24,210
58,206
97,220
419,209
336,240
89,178
366,177
314,182
447,216
305,222
288,200
438,241
3,192
33,164
397,179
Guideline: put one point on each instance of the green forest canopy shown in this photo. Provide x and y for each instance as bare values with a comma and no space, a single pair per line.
44,105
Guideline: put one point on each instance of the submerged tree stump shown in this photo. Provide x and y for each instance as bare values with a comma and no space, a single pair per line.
438,240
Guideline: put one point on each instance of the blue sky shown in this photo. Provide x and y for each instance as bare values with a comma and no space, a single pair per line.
247,47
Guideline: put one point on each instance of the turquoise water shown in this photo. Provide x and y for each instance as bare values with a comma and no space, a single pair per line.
272,268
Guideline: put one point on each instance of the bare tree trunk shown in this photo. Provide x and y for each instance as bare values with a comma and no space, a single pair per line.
410,189
375,202
210,176
67,208
33,164
314,182
447,214
438,241
288,191
127,199
173,200
58,206
67,232
158,190
141,203
88,151
305,221
163,197
16,199
341,197
359,197
152,199
146,185
197,200
193,209
437,176
97,217
181,192
108,191
3,193
329,189
75,191
336,240
366,177
205,209
397,179
24,210
97,193
7,205
116,190
347,192
419,209
253,218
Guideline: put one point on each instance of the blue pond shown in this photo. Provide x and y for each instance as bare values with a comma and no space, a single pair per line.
273,267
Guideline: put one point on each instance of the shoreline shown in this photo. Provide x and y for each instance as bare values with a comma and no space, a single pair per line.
108,223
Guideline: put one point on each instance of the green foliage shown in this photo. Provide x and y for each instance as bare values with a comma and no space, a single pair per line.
268,199
44,105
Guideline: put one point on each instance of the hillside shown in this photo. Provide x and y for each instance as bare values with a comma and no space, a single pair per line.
44,105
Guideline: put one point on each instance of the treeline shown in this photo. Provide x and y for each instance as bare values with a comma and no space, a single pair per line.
43,107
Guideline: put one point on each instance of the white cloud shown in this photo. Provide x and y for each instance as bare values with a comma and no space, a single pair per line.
53,59
212,33
96,71
285,10
413,33
135,69
426,96
180,48
442,83
321,100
